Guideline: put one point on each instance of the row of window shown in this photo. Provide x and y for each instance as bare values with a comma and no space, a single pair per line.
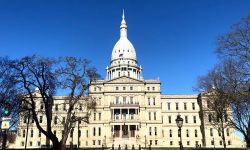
151,101
217,118
56,107
188,143
130,88
151,132
177,107
187,133
123,88
219,132
96,132
185,119
124,100
149,115
228,142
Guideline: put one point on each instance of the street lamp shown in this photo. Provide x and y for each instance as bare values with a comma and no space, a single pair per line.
179,122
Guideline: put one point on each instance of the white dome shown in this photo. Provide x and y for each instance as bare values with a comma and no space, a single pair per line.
123,49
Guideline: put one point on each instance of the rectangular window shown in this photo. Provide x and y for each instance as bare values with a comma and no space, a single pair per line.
220,142
64,107
94,116
169,119
131,100
41,107
117,88
154,115
187,133
185,106
150,142
156,142
63,120
99,142
168,106
23,133
56,107
31,133
153,88
150,131
229,143
227,132
148,88
30,143
100,116
87,133
41,119
124,100
155,130
148,101
171,143
211,132
170,133
186,119
93,142
193,106
39,134
177,106
194,117
38,143
210,118
131,88
22,144
71,133
219,132
149,115
25,119
94,131
188,142
99,131
124,88
55,120
195,133
212,142
153,101
62,133
116,100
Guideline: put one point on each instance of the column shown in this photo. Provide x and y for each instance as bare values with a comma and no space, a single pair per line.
120,130
128,114
120,114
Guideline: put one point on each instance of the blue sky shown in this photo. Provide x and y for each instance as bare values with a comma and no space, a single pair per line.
174,39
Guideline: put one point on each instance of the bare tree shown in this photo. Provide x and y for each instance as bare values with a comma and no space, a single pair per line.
38,79
235,46
230,78
217,105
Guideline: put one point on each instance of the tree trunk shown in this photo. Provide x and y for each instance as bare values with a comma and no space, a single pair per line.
56,145
248,142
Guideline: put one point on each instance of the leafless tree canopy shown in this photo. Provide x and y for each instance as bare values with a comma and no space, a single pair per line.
229,79
35,78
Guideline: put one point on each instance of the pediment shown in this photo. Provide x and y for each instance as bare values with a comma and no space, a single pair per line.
124,79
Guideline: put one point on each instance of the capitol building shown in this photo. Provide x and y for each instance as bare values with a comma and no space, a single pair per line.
132,110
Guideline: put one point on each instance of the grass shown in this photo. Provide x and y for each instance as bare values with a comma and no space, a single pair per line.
172,148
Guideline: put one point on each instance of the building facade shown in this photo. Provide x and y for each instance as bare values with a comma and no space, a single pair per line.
131,111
